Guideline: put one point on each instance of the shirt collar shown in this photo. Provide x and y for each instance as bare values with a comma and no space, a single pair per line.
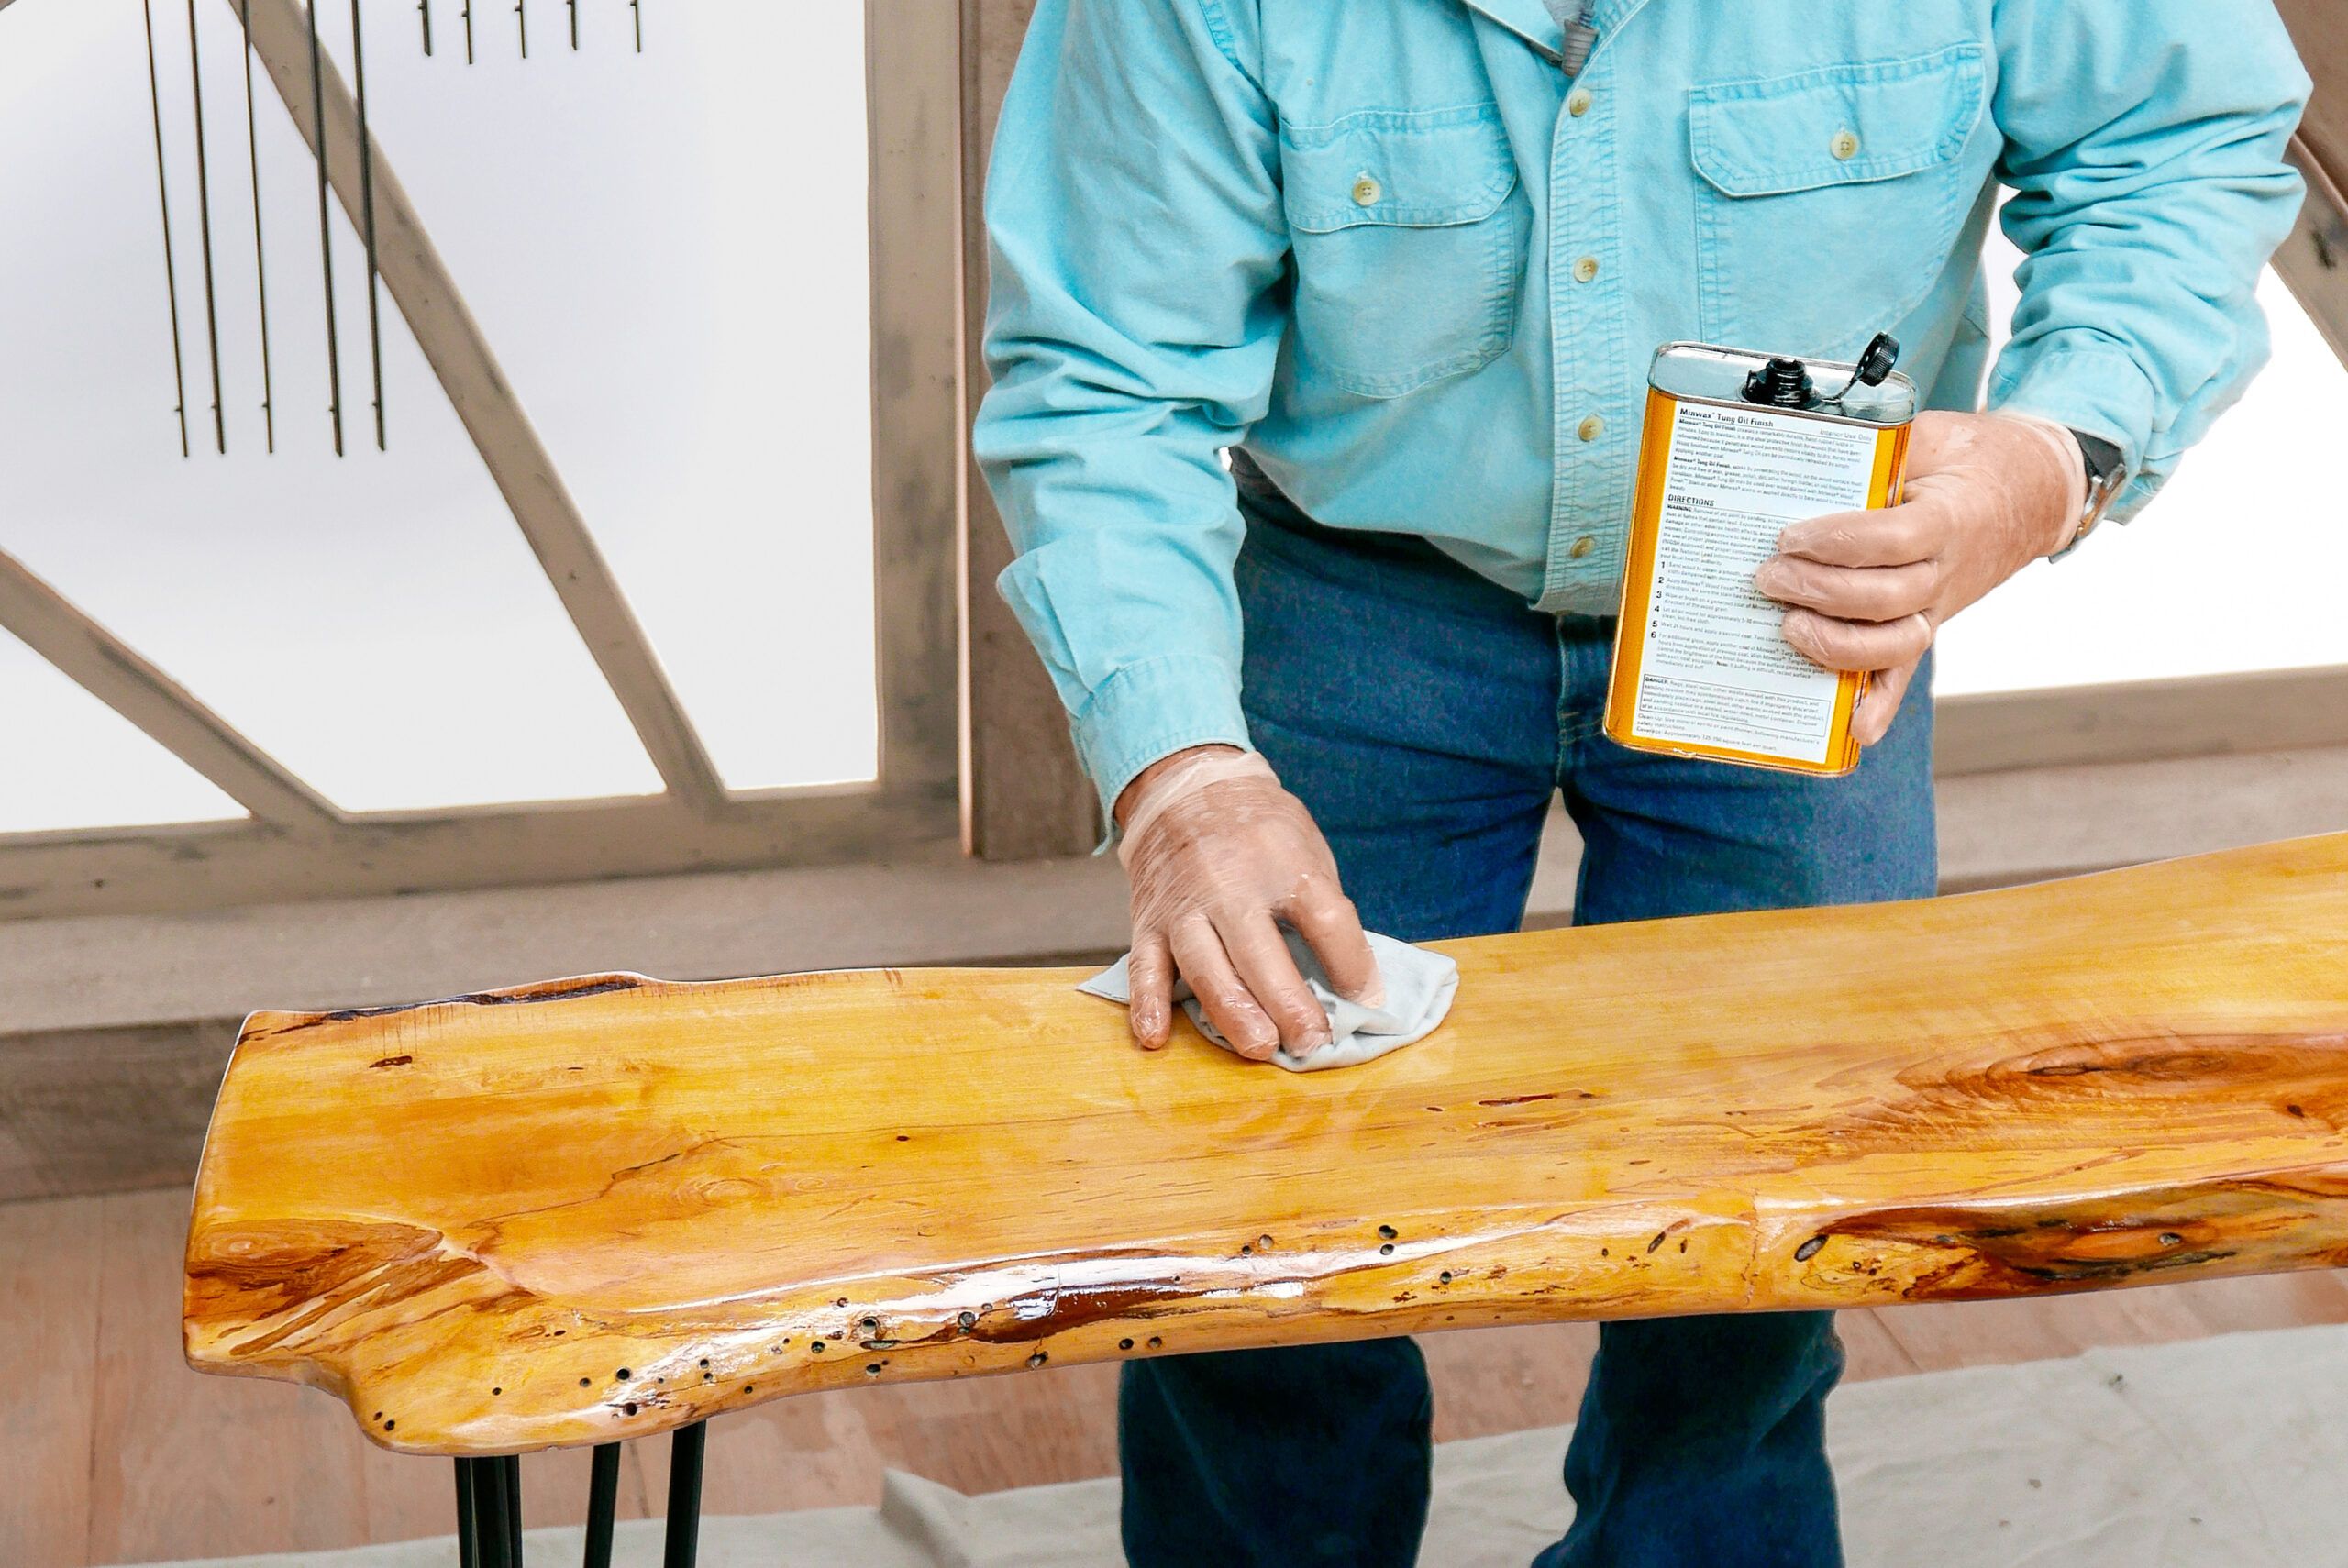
1529,19
1532,20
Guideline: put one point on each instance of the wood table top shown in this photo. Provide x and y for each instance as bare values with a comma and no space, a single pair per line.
605,1207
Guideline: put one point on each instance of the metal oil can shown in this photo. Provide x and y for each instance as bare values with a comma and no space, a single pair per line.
1737,445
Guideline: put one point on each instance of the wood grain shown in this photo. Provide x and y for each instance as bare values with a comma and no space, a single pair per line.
611,1205
47,1286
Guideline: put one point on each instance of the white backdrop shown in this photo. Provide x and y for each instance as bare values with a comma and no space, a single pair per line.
668,251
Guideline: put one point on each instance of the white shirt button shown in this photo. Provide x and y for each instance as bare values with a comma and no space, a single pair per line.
1586,270
1366,192
1846,145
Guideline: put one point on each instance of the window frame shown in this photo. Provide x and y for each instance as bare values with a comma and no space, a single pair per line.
297,844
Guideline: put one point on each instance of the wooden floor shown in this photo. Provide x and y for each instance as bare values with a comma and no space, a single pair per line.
113,1452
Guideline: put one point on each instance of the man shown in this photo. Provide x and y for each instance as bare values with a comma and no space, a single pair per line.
1407,260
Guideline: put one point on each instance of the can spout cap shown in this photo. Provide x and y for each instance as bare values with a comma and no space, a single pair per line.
1878,363
1781,383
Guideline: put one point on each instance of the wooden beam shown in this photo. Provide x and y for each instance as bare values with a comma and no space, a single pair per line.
913,61
419,281
167,712
2210,715
208,866
1023,795
2314,261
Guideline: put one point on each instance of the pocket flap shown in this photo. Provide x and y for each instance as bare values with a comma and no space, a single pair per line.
1422,169
1839,125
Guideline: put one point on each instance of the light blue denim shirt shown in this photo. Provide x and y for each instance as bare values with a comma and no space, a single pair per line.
1392,250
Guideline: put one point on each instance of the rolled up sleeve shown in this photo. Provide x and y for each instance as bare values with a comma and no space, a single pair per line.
1137,242
2144,145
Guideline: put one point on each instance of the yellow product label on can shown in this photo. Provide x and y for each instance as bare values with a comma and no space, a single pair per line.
1700,669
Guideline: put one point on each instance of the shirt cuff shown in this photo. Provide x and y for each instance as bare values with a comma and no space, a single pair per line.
2096,389
1153,709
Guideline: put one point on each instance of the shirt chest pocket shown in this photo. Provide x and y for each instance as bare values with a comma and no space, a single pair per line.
1406,248
1829,202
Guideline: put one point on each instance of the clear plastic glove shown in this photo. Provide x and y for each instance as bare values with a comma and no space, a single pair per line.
1987,494
1218,856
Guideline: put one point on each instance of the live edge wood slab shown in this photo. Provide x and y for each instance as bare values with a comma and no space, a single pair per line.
605,1206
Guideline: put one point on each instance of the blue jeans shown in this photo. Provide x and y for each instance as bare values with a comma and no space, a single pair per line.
1427,718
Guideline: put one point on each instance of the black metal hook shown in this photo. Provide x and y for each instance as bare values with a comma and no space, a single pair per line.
367,210
260,254
325,230
204,230
163,193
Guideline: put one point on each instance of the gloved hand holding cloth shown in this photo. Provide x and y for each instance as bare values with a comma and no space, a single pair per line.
1220,858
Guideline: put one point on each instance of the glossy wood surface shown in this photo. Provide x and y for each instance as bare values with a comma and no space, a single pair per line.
609,1206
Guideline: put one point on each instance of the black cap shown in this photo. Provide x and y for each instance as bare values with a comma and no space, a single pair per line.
1781,383
1877,362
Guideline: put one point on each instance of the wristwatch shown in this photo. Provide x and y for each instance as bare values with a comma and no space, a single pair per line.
2107,477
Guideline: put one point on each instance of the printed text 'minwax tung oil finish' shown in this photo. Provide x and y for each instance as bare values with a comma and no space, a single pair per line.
1737,445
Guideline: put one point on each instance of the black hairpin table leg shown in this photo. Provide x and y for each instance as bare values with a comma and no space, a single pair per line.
602,1502
510,1467
484,1538
489,1505
468,1517
683,1539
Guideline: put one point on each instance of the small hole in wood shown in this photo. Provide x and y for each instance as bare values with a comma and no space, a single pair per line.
1386,1250
628,1409
1038,1359
1124,1344
621,1375
704,1361
872,1369
1809,1249
1264,1243
496,1392
1155,1343
586,1383
967,1321
1388,1232
817,1346
389,1425
1443,1278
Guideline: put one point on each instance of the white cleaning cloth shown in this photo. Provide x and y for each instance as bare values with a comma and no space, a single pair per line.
1419,988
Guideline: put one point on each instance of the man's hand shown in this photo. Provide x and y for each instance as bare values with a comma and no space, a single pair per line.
1218,853
1987,494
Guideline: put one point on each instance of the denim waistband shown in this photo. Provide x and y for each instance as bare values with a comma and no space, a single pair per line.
1403,566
